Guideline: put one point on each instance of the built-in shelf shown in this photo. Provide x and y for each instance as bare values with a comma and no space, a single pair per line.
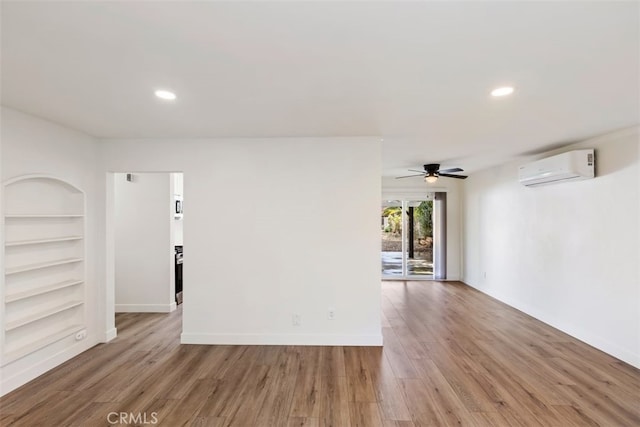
50,339
44,232
38,241
17,296
40,265
41,315
44,216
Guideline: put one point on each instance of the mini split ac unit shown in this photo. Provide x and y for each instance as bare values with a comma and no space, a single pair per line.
570,166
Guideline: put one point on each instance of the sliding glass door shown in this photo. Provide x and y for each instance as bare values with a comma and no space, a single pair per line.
407,239
419,237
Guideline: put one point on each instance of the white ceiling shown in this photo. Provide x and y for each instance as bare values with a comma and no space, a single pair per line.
415,73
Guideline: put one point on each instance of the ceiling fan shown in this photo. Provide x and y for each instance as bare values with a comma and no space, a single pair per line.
432,172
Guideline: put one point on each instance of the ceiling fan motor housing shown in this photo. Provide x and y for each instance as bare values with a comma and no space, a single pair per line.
432,169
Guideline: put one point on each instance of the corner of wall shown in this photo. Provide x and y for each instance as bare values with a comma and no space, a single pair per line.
528,247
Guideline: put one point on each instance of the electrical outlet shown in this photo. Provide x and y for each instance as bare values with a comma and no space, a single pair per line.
331,313
485,274
296,320
81,335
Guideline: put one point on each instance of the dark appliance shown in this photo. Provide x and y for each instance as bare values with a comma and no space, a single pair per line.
178,270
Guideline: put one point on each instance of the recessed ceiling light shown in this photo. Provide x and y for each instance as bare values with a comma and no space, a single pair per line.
502,91
165,94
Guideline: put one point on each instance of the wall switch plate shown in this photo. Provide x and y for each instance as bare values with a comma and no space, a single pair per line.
296,320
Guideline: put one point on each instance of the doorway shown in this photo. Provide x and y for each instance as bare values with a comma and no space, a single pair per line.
144,230
407,239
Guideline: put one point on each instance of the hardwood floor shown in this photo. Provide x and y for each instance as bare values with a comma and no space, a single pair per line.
452,356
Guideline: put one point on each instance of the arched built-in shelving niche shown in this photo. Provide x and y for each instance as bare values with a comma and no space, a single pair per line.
44,264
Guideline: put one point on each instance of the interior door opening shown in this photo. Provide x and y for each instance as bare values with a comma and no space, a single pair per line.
145,243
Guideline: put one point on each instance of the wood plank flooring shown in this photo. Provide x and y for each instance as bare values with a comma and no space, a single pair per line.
452,356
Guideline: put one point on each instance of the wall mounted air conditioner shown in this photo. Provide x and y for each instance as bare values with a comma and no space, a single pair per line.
570,166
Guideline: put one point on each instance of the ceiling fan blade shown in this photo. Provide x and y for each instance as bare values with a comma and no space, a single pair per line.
409,176
413,170
451,170
448,175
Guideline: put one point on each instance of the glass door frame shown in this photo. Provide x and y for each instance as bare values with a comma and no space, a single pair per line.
404,203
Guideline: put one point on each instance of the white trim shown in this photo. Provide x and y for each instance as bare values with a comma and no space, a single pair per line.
281,339
108,286
598,342
145,308
110,334
8,384
404,217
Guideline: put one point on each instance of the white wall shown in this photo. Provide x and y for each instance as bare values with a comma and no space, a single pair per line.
144,253
31,145
566,254
274,227
414,187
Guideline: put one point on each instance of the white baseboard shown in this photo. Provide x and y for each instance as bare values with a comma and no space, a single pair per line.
110,334
145,308
282,339
587,337
8,384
